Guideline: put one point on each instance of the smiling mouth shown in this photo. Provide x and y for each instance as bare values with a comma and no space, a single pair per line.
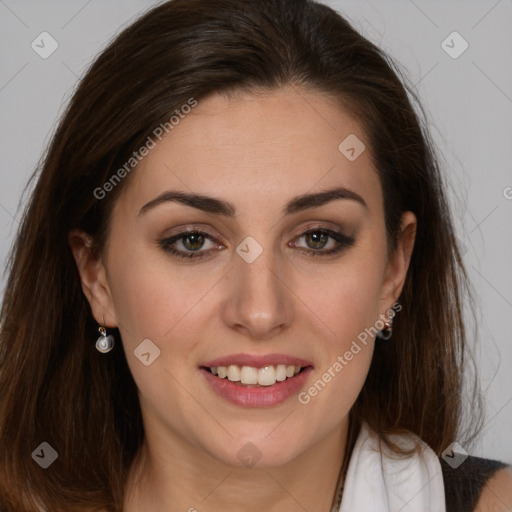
250,376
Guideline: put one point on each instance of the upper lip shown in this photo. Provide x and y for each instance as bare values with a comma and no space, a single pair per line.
257,361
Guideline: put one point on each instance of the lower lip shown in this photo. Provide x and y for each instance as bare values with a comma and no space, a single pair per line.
264,396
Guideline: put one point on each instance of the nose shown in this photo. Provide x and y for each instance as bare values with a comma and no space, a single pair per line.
259,303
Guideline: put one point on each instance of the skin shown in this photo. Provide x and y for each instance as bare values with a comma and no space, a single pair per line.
257,152
496,496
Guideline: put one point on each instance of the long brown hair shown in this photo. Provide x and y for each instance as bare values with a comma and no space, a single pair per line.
56,388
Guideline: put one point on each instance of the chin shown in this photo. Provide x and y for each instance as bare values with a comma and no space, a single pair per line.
260,452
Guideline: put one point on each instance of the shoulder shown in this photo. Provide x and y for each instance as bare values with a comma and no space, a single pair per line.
477,485
496,496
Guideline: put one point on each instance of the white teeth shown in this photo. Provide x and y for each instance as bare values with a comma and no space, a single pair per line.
249,375
233,373
266,376
281,372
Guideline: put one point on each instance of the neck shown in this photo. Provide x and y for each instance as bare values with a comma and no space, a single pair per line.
179,477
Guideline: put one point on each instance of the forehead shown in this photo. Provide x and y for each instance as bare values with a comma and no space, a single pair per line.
253,147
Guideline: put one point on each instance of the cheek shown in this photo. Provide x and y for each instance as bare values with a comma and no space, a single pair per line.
348,309
153,300
346,297
153,297
347,302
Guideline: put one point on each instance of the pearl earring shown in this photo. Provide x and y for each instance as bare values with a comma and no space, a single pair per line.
385,334
104,343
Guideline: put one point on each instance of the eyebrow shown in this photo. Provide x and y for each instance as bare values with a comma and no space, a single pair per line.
227,209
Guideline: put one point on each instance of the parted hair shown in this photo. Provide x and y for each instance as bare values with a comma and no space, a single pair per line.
54,385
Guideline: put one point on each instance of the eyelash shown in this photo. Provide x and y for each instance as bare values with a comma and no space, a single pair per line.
342,239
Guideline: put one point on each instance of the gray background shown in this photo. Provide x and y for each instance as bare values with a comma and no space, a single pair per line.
468,102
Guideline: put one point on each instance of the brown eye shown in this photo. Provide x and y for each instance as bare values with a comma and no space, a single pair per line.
193,241
317,239
189,244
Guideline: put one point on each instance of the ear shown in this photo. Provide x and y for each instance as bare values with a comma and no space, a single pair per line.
396,269
94,278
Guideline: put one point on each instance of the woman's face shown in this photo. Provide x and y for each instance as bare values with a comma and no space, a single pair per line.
251,288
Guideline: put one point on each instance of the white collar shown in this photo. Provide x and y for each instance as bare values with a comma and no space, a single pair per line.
378,481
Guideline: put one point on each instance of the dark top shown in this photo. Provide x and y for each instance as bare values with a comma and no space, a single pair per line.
464,484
